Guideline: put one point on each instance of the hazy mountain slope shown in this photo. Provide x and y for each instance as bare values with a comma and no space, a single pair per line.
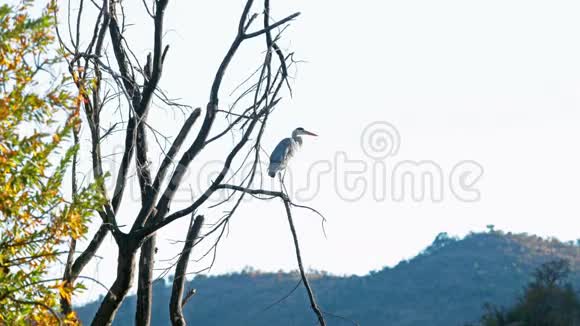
444,285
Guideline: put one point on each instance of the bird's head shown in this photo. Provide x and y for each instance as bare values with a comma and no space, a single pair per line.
301,131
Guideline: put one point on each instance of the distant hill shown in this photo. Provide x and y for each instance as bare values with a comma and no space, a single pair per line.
446,285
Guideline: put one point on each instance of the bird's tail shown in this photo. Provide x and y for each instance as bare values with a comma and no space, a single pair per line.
272,169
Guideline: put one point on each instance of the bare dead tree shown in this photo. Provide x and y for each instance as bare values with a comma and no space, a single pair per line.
100,82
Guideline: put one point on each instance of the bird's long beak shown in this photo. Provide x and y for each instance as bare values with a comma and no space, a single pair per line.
309,133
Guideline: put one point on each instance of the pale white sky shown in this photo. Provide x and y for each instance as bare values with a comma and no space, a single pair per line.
496,82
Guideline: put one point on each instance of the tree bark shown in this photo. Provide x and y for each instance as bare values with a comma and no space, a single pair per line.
125,275
176,302
65,303
144,289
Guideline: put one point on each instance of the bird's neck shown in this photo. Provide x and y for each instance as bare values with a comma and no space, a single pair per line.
297,139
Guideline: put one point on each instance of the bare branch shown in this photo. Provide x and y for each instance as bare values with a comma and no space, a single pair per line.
313,304
190,293
125,163
134,95
161,172
142,161
158,55
287,203
181,171
176,301
121,56
199,142
271,27
90,251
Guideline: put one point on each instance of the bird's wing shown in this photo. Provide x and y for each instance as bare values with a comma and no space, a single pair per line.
283,151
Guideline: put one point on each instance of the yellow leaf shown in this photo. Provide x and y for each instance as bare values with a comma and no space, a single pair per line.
63,292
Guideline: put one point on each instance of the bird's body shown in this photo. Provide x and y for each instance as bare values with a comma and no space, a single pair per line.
281,155
285,150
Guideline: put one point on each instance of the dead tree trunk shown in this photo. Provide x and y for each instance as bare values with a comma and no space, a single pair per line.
144,289
125,275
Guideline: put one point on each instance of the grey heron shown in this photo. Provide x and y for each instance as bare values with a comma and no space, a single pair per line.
284,151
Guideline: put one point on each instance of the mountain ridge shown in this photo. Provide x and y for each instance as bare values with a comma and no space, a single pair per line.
445,284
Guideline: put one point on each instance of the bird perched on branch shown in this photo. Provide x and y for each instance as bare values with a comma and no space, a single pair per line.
285,150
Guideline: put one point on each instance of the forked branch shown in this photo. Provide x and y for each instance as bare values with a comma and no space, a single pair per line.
287,203
177,300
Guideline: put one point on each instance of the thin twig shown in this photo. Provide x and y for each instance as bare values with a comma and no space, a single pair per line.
313,304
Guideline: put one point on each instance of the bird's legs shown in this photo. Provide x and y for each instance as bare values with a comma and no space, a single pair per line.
282,185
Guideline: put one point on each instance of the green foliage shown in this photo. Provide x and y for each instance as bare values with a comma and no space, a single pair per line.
547,301
35,216
441,241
